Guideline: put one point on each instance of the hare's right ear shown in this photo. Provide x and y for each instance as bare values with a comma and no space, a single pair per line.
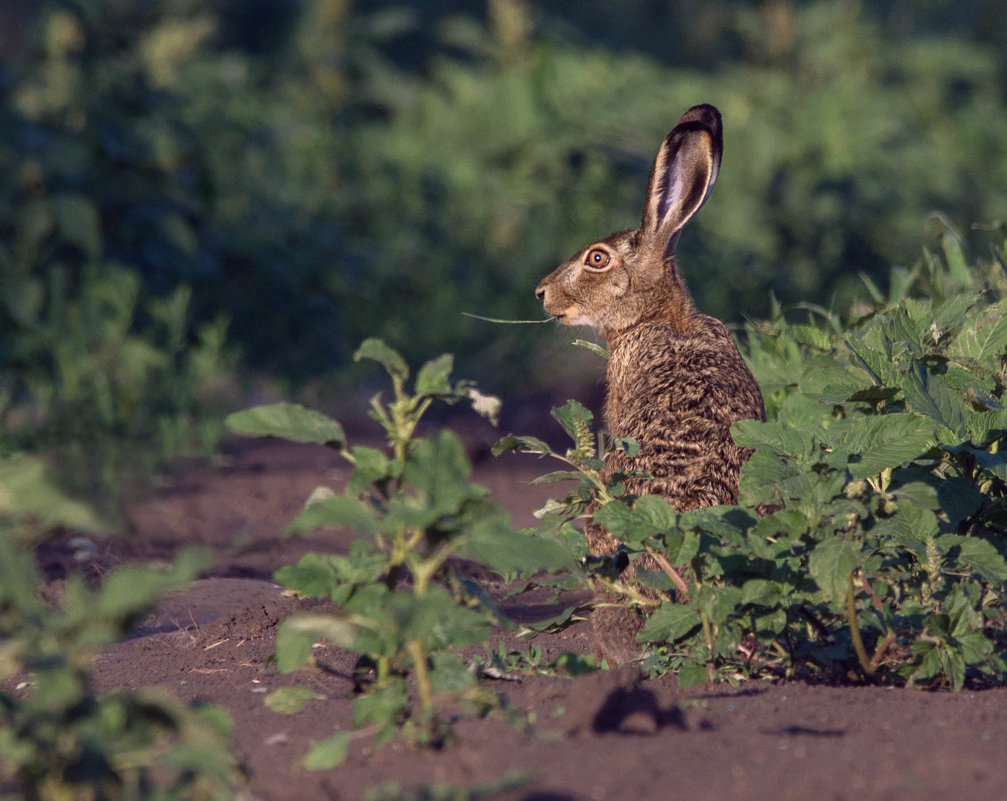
684,173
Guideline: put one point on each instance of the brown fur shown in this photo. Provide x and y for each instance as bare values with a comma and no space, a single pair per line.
676,381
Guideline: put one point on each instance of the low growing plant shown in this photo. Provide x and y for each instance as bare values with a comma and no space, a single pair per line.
402,606
883,491
60,740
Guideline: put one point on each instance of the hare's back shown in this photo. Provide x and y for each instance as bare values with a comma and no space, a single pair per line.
658,376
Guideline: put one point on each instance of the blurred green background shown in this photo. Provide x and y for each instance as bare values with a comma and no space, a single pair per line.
200,195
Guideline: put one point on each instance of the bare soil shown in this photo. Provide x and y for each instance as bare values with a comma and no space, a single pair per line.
610,735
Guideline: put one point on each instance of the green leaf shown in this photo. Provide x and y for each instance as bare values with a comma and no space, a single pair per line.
811,337
724,522
692,674
975,647
977,553
450,673
670,622
339,510
328,753
433,376
782,437
877,364
378,351
521,445
959,498
983,338
29,492
514,554
573,415
438,467
927,392
984,427
322,575
384,706
876,443
371,465
648,516
287,421
760,591
831,563
298,634
290,700
911,526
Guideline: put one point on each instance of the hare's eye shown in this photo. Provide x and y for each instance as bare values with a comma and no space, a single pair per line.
597,259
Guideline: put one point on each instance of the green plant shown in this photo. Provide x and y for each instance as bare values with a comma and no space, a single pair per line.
883,489
60,740
403,607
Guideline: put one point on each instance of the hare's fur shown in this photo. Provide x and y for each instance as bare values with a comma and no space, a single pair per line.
676,381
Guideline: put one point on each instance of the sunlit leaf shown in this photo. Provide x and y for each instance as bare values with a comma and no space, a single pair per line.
287,421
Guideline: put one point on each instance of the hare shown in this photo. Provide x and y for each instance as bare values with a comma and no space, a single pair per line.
676,381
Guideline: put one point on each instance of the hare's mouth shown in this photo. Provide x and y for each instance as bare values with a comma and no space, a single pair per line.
573,316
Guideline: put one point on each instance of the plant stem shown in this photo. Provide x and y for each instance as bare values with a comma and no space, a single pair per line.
708,634
419,657
673,574
858,643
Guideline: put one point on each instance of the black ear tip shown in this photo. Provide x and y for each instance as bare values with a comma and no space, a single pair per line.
705,115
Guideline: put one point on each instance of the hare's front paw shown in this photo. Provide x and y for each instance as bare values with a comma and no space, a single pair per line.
615,629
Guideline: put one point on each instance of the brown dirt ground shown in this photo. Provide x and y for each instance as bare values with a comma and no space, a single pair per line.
605,736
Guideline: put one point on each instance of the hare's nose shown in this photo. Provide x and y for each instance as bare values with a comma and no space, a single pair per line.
540,292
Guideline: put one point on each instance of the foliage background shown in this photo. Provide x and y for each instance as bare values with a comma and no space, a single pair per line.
190,185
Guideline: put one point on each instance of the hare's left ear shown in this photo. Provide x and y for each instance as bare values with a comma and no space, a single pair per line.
684,173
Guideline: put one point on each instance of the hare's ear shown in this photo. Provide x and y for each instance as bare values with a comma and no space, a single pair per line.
684,173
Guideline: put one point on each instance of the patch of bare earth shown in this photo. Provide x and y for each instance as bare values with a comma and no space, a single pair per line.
605,736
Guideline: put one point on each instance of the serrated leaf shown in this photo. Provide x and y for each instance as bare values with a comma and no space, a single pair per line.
831,563
926,392
783,437
287,421
811,337
725,522
975,552
876,364
984,337
670,622
570,414
328,753
290,700
910,526
432,379
764,478
876,443
984,427
521,444
378,351
648,516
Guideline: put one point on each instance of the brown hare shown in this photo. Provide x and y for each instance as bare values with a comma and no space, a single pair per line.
676,381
